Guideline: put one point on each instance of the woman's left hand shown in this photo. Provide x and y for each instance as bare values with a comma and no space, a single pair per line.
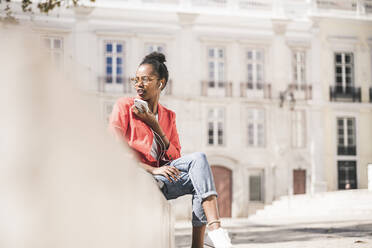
147,117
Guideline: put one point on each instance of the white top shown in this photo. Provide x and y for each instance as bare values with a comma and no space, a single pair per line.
154,148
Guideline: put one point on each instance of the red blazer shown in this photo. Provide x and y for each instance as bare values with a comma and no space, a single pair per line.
124,124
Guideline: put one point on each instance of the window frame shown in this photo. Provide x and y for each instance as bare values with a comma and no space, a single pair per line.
114,58
216,82
297,66
343,84
254,62
52,51
216,120
345,135
261,174
256,122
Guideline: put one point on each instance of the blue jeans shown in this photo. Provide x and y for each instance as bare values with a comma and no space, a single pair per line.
196,179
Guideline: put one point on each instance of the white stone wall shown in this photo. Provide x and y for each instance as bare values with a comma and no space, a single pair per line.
64,181
278,28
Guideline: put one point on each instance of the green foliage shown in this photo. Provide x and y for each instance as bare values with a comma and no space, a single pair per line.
44,6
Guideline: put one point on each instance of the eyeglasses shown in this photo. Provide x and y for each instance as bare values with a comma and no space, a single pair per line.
145,80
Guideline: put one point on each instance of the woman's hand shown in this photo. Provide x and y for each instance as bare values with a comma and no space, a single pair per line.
147,117
167,171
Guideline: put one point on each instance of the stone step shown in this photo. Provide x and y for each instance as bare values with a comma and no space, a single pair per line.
350,204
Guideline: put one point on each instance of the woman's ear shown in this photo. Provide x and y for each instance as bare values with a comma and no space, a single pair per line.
162,83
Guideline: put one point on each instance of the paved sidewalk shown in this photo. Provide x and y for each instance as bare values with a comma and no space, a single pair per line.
340,234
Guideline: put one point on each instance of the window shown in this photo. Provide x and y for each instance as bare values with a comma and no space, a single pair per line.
54,47
347,176
114,62
344,70
256,128
216,67
152,47
216,117
346,136
255,68
298,129
299,65
256,186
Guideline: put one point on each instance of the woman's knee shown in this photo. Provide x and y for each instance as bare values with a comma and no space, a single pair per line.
199,156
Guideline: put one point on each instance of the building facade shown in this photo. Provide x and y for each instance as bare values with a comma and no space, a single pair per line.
278,94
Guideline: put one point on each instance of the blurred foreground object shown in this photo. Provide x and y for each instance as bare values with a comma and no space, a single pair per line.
64,182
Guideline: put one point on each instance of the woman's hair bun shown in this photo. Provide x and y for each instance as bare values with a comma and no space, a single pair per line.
156,56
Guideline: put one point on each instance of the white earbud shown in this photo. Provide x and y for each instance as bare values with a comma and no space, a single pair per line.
161,84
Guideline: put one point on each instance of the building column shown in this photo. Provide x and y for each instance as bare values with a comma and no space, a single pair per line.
316,119
186,84
84,50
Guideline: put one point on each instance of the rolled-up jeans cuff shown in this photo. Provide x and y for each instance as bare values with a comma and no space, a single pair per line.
198,223
208,194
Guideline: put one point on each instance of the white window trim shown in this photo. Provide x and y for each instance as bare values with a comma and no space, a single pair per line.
347,114
254,62
345,134
296,65
215,127
343,53
339,44
254,172
53,50
216,63
255,128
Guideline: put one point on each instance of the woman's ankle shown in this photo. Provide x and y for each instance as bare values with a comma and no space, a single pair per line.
214,226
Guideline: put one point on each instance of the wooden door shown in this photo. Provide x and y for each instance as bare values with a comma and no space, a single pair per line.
223,181
299,182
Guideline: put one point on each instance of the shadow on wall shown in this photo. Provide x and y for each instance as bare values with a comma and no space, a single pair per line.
64,182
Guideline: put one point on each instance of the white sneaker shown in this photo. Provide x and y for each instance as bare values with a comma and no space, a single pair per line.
220,238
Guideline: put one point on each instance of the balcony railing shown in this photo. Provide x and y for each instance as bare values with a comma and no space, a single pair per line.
262,90
118,85
359,6
370,94
302,91
346,150
256,4
211,88
348,93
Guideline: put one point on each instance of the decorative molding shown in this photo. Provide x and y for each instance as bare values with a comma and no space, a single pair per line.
119,33
342,43
216,39
343,39
255,41
83,12
280,26
186,19
44,30
298,43
163,38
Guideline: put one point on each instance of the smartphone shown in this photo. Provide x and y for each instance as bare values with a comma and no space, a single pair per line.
139,103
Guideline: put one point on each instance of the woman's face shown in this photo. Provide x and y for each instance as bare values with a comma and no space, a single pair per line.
148,82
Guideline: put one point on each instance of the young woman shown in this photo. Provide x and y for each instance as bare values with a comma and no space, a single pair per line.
153,136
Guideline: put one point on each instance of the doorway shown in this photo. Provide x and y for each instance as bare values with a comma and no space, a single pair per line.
223,181
347,177
299,182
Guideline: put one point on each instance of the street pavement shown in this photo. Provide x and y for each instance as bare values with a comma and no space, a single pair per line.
246,234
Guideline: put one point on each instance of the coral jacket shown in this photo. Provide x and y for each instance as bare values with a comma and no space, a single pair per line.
123,123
